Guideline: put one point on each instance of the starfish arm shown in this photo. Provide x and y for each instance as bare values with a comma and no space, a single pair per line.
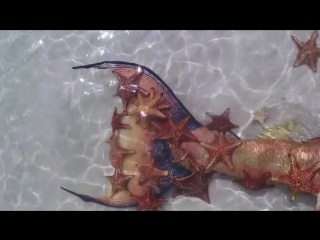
120,78
284,179
154,101
313,40
204,196
310,188
312,62
226,113
210,114
140,100
190,136
297,41
213,160
159,172
155,112
136,77
171,123
311,172
295,167
183,123
228,160
163,106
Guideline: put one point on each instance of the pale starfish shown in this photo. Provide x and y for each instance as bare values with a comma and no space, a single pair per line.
260,115
149,107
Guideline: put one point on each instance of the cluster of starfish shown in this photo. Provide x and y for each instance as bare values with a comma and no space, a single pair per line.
152,114
149,115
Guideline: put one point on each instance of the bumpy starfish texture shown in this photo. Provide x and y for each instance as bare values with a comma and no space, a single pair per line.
149,107
118,182
149,202
116,121
195,185
148,172
221,123
308,52
260,115
221,150
299,180
174,131
128,87
117,153
254,183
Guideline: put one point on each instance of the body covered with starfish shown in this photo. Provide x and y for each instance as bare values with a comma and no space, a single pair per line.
157,144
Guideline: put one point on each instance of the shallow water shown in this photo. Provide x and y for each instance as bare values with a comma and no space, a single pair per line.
53,120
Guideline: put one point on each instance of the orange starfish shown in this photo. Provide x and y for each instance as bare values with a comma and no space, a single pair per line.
119,182
149,202
149,107
128,87
220,150
299,180
117,153
149,172
116,121
195,185
175,131
181,156
308,52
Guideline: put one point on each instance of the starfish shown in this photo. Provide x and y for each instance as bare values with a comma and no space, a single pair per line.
175,131
149,107
117,153
260,115
221,123
149,202
195,185
116,121
299,180
220,150
308,52
254,183
149,172
119,182
128,87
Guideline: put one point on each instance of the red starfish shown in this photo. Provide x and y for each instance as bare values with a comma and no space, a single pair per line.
254,183
221,123
116,121
128,87
119,182
117,153
195,185
308,52
220,150
299,180
175,131
149,172
149,202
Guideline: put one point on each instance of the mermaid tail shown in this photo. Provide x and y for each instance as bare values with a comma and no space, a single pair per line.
136,147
